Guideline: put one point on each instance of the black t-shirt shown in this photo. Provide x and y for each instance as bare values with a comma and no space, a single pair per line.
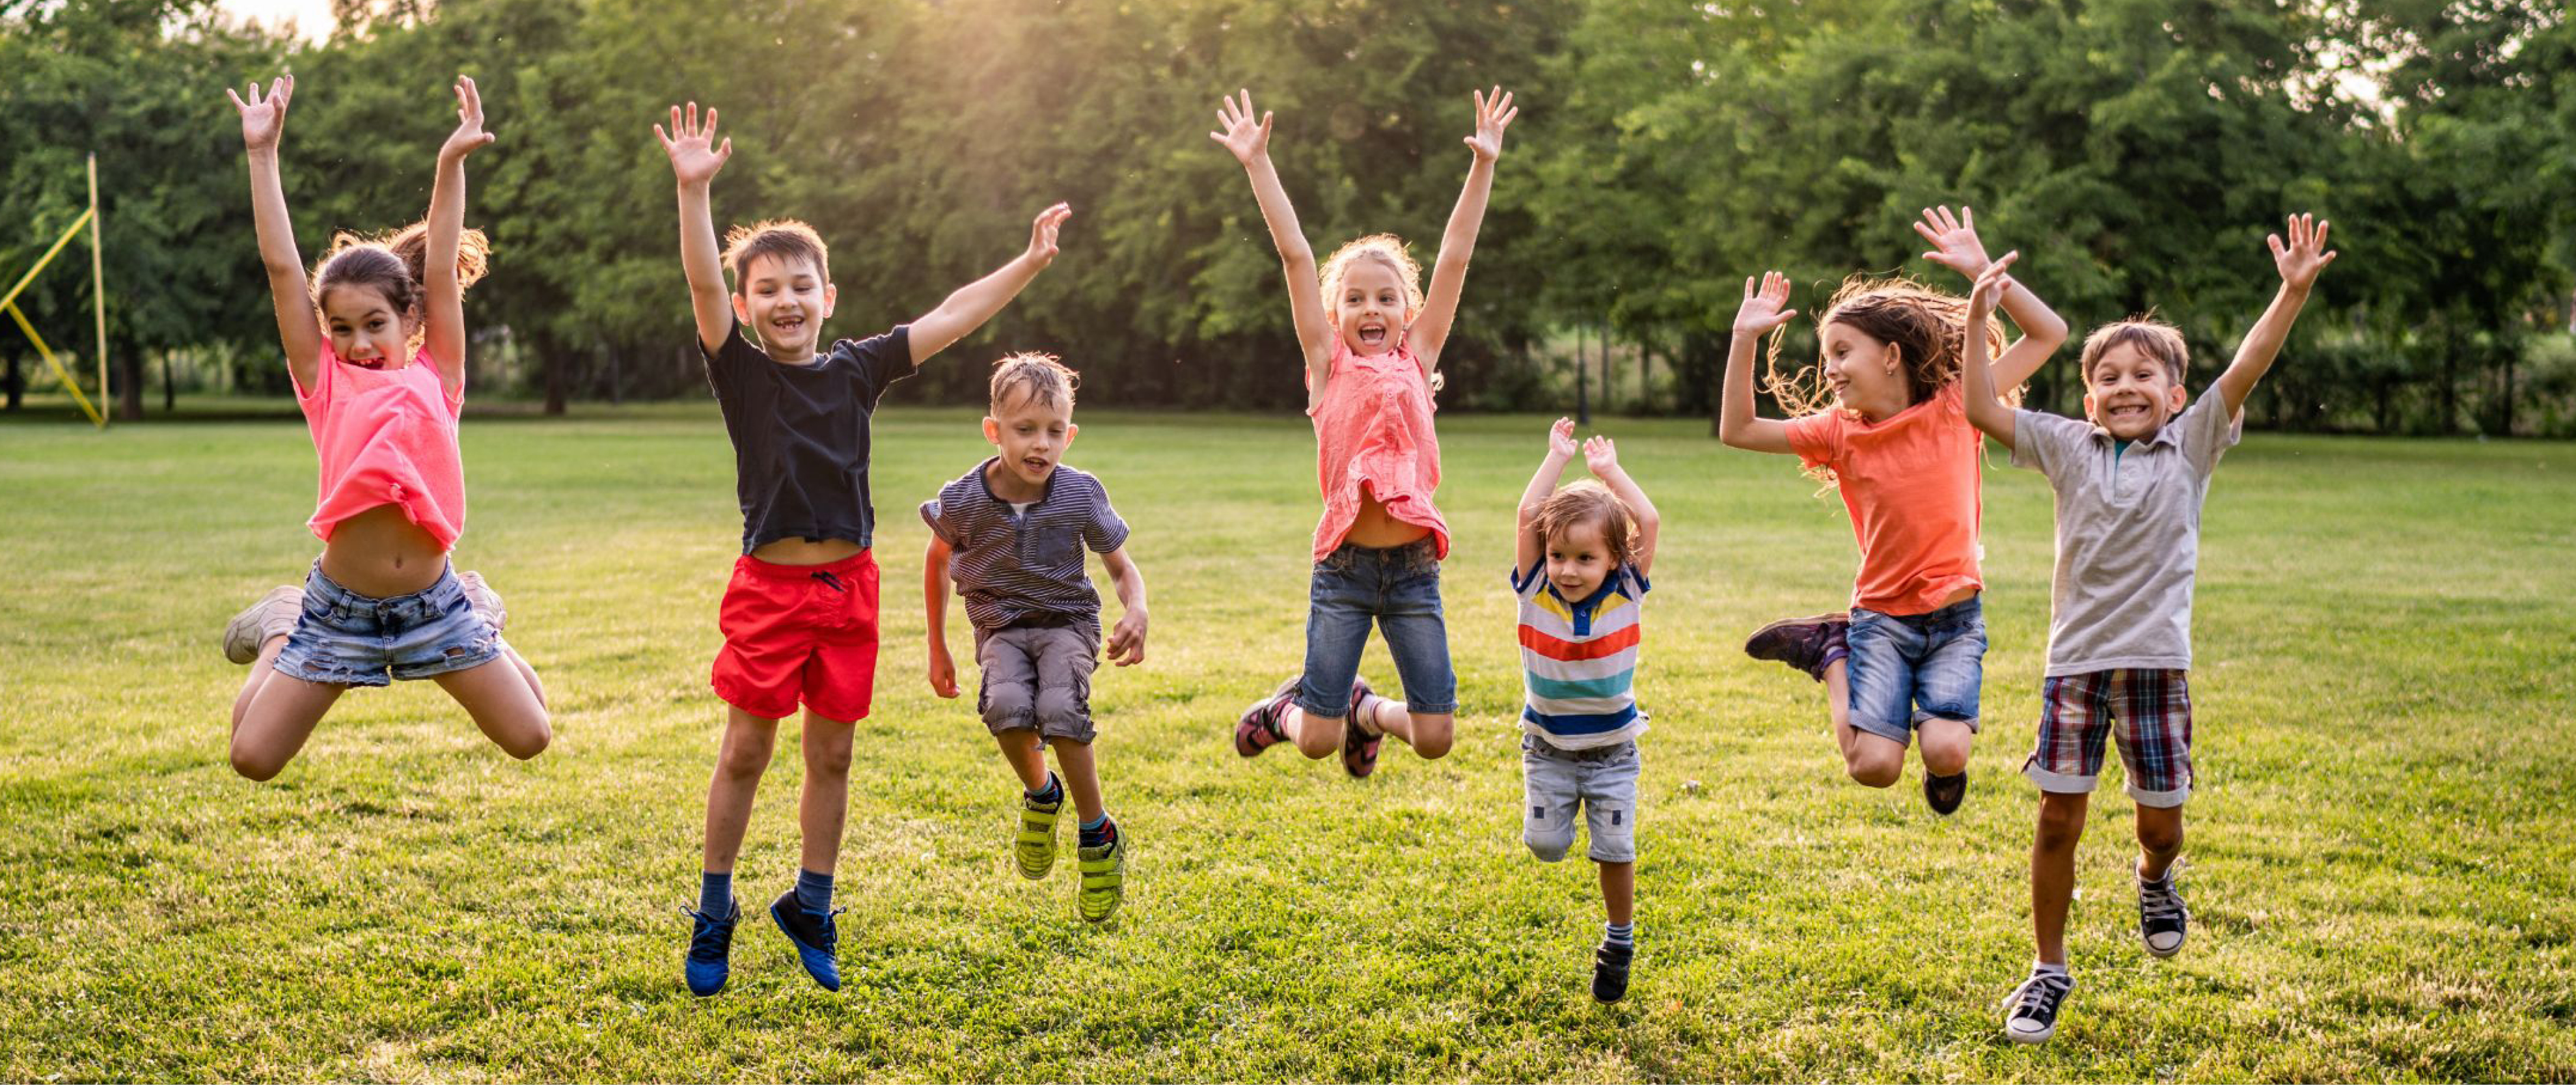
800,434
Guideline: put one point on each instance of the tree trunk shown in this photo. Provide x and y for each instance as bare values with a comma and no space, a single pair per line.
552,360
16,385
129,377
1582,377
169,387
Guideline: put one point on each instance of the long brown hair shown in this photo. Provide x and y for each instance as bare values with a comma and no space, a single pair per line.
395,265
1928,327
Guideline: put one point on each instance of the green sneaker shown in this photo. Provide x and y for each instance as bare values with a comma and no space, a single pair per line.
1035,848
1104,876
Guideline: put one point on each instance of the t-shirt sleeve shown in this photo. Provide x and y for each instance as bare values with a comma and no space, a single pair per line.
2208,431
1817,438
935,515
1104,531
876,361
2041,439
725,367
1636,581
1526,584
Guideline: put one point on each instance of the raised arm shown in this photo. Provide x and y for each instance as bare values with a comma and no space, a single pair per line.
1760,315
1528,545
1985,411
299,328
1602,456
1250,143
695,158
1127,638
2299,261
934,599
444,333
976,302
1430,331
1955,246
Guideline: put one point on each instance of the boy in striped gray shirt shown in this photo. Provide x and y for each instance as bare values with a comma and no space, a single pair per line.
1011,534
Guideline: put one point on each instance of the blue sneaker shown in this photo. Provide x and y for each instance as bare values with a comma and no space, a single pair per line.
710,946
815,938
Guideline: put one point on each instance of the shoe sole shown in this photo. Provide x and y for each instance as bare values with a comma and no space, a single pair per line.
1754,646
2017,1036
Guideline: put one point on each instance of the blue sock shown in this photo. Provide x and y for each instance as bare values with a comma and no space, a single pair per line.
715,893
1619,934
1097,831
1053,794
813,891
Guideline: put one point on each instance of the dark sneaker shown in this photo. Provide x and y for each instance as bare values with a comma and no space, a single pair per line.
271,617
815,937
1944,793
1610,971
1807,644
1359,747
2030,1011
2162,919
710,951
1258,730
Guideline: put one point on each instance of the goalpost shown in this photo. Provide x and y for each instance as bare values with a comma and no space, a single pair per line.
98,301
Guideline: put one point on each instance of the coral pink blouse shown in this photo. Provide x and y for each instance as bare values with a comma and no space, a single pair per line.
1373,429
386,437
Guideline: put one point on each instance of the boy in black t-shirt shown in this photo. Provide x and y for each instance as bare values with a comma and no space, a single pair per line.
800,615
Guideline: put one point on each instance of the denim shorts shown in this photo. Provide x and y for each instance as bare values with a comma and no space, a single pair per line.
1398,587
1600,783
347,639
1916,667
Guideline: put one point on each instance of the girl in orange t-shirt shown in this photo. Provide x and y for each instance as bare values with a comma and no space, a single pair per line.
1882,417
376,346
1372,341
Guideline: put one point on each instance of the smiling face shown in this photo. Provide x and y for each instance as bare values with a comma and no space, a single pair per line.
1368,307
1579,558
784,301
2131,393
1865,373
1031,434
365,328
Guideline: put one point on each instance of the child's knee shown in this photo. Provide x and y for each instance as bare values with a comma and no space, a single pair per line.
1875,767
1433,735
2061,823
2159,836
255,766
1319,738
529,741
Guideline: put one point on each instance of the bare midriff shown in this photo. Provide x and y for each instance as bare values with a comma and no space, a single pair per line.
1957,597
380,553
805,551
1374,529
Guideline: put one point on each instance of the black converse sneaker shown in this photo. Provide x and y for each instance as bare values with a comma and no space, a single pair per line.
2030,1011
2162,919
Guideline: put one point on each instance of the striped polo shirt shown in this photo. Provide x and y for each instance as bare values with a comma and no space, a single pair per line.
1014,565
1580,657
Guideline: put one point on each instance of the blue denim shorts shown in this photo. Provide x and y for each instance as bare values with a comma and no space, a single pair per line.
1398,587
1916,667
347,639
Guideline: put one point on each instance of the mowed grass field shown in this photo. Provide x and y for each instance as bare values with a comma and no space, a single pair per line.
2381,859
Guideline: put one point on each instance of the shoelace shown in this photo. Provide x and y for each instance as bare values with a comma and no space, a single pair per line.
703,942
2159,902
2040,997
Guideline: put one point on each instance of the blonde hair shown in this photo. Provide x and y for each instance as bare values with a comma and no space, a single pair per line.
396,265
1388,251
1928,327
2152,337
1041,377
1589,502
779,239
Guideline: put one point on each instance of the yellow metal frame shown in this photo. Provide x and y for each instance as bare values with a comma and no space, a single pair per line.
98,296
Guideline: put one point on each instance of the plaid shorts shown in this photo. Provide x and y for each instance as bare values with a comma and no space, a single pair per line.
2148,711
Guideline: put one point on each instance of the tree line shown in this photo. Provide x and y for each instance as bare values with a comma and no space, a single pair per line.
2135,151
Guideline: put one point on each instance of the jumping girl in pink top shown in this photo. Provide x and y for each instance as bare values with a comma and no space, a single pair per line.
376,345
1372,343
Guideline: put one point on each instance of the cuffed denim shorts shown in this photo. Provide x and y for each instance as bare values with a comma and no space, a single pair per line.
1600,783
1916,667
347,639
1398,588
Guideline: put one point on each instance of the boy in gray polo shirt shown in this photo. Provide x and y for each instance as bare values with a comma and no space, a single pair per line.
1011,534
2130,479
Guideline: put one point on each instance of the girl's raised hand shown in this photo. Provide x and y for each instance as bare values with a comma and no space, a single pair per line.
263,119
1982,296
1600,454
1237,130
1042,233
1560,439
1954,240
695,155
1494,112
469,136
1761,312
2305,255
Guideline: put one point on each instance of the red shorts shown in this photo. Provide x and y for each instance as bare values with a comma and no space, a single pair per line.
799,632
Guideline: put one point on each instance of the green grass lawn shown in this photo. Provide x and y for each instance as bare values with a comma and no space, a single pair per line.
2379,855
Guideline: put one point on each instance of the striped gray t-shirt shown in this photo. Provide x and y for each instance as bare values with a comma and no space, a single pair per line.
1012,565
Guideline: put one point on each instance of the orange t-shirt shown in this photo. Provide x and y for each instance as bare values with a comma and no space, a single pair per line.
1911,485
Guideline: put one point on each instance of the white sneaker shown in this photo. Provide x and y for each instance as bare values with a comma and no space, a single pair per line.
272,616
486,602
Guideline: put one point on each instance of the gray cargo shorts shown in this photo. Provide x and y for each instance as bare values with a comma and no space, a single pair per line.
1602,782
1038,678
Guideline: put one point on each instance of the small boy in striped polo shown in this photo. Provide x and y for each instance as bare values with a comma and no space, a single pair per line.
1011,534
1579,568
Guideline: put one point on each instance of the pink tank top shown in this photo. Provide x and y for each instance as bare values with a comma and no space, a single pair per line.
1373,427
386,437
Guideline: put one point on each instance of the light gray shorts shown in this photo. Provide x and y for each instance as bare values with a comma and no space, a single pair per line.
1601,782
1038,678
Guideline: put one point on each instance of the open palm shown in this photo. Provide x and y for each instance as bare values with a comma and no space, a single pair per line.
469,136
1954,240
1239,132
695,154
263,118
1762,312
2305,255
1494,112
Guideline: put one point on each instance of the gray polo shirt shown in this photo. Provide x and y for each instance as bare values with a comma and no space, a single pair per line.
2128,534
1014,565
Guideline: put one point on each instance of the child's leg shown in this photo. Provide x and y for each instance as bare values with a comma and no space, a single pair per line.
1868,758
748,741
1417,635
1006,695
1026,756
275,715
825,804
1947,681
1341,606
262,669
1619,892
2052,870
1876,681
2154,734
2159,840
506,703
1081,776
